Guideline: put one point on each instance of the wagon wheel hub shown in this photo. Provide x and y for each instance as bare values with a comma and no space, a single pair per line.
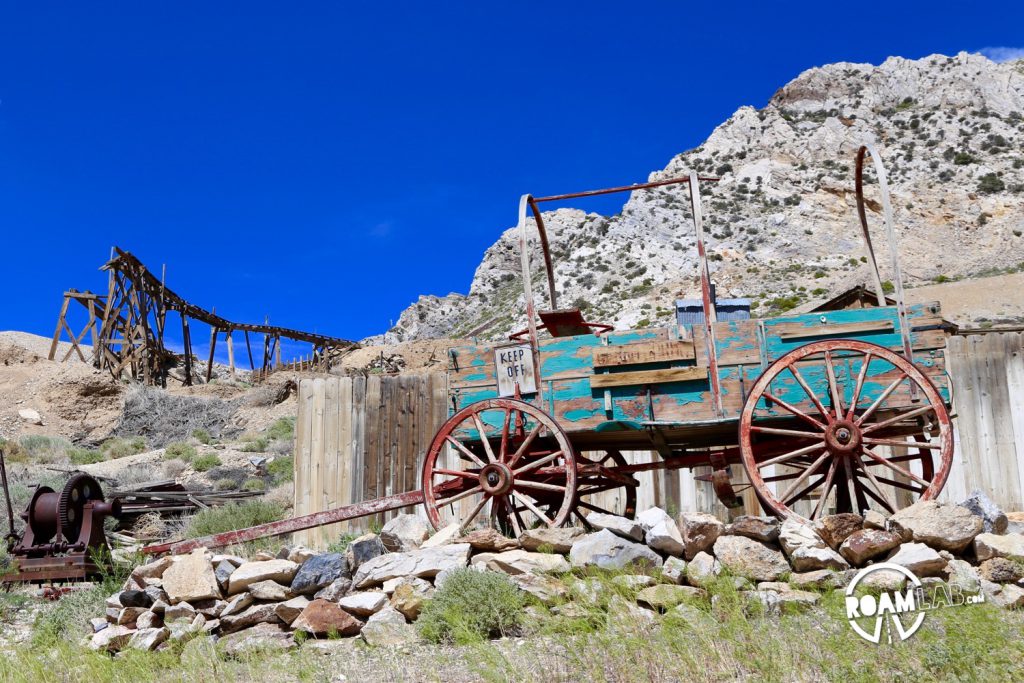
843,437
496,478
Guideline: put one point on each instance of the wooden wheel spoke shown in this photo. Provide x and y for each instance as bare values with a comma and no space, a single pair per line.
476,510
457,473
859,386
785,432
803,477
875,426
829,476
896,468
465,451
902,485
526,483
810,394
785,476
804,491
483,436
881,399
460,496
795,411
833,385
902,444
792,454
881,501
504,435
537,463
889,502
518,495
525,445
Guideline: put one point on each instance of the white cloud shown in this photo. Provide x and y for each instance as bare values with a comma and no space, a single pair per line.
1003,54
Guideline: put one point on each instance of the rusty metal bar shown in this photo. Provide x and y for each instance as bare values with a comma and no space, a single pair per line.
287,526
621,188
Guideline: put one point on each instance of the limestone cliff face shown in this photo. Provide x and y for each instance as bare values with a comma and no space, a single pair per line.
781,223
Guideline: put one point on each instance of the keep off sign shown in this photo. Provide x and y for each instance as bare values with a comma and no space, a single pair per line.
514,365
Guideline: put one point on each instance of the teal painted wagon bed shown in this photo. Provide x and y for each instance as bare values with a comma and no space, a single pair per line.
823,412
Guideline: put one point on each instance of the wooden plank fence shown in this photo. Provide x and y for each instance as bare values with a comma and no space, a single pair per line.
359,438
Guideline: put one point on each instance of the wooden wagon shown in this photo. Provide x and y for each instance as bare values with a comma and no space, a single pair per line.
824,412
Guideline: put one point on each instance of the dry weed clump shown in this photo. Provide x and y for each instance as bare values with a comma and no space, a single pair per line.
163,418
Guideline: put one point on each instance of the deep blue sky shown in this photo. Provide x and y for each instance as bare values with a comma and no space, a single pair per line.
325,163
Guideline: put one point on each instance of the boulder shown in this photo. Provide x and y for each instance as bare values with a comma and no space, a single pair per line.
300,553
363,603
703,569
129,615
282,571
260,613
665,536
147,639
746,557
288,610
1010,546
961,574
334,591
222,572
993,519
919,558
547,589
942,526
321,618
237,604
190,578
633,582
558,540
489,540
31,416
1016,523
1001,570
363,549
763,529
111,639
523,562
403,533
819,579
261,637
806,550
1007,596
480,560
627,528
674,570
387,628
665,596
874,520
98,624
867,544
270,591
425,562
135,598
834,529
444,536
607,550
781,597
152,570
319,571
700,531
410,595
651,517
626,618
182,610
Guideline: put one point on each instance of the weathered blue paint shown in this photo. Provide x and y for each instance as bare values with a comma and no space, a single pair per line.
568,354
477,377
619,426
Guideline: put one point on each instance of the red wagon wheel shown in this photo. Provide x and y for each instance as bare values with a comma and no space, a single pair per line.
510,456
845,403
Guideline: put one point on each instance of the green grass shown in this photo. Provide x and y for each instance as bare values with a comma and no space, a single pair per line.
84,456
205,462
254,485
470,607
283,429
233,516
202,436
255,445
179,450
281,469
119,447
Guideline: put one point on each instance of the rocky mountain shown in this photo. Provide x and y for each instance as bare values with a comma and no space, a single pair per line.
781,222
